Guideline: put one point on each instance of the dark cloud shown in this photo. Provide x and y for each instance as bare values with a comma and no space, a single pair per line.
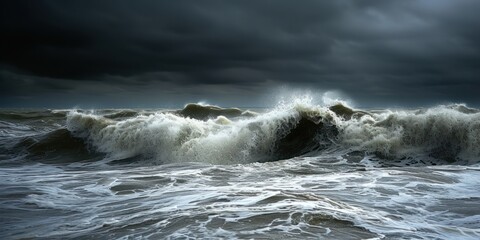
378,52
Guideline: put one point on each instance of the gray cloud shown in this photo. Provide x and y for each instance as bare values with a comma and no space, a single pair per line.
378,52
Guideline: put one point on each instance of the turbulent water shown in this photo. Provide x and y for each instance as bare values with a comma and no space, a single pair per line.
296,171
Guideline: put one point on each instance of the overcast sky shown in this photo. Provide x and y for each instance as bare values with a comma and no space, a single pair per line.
238,53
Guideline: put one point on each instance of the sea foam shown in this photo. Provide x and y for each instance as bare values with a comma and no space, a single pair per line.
173,138
448,133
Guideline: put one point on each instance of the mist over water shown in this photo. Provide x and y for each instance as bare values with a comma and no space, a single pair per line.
306,168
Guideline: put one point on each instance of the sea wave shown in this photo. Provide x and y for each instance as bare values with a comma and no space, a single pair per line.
445,134
31,115
222,136
174,137
450,133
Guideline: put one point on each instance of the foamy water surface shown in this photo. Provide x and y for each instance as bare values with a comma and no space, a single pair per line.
222,173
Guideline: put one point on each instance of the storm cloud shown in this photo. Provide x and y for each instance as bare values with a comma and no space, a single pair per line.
162,53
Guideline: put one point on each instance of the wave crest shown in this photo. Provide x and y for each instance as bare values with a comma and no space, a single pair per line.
449,133
222,136
172,137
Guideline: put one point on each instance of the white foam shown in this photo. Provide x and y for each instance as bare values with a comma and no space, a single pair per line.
445,132
407,133
172,138
238,201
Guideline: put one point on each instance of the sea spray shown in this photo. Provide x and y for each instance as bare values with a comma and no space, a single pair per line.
172,138
105,173
441,132
211,134
201,133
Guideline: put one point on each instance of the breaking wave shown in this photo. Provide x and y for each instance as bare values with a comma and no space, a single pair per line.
449,133
173,136
222,136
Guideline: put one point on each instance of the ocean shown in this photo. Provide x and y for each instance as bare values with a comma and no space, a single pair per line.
294,171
